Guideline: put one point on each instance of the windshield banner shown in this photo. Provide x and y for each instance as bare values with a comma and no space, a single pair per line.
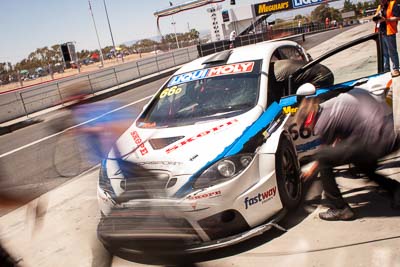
236,68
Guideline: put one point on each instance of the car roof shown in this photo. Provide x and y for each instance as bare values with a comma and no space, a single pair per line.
257,51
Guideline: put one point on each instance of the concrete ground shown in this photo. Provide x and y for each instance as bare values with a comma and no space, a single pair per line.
65,232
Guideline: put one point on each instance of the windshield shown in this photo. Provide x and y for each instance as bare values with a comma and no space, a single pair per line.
207,94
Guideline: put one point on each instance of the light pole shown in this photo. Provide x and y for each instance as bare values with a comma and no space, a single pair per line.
109,26
97,34
176,37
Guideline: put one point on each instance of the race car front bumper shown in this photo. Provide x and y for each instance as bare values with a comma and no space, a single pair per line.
145,231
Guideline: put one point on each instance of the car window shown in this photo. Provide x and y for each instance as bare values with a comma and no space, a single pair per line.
353,63
286,60
195,96
347,63
291,52
278,75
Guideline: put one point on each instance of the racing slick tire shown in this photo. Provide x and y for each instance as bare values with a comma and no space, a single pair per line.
288,174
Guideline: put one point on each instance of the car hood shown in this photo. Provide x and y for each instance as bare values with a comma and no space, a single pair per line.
180,150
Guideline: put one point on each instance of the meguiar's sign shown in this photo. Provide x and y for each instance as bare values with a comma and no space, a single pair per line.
279,5
272,6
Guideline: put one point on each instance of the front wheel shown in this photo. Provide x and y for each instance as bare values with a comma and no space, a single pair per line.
288,174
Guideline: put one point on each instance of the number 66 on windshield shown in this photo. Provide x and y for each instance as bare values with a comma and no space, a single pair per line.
174,90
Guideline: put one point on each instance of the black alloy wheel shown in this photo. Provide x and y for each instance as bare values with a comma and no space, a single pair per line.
288,173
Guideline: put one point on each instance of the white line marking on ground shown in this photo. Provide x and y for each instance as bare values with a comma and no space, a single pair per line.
72,127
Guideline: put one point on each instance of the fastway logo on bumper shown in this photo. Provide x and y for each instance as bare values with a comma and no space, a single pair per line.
260,198
304,3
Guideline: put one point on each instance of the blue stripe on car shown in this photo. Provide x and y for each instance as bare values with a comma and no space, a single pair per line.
266,118
288,101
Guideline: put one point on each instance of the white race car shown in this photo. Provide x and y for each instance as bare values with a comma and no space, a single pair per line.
221,145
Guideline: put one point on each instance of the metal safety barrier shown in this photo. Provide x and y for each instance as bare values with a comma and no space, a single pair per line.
16,104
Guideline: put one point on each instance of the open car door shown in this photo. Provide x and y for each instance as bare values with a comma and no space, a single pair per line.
358,63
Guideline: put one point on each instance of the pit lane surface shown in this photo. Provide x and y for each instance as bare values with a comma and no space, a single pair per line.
67,230
66,234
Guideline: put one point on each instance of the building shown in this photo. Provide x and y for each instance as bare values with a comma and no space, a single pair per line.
223,22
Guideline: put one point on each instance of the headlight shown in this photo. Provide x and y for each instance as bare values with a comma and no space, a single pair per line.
226,168
223,170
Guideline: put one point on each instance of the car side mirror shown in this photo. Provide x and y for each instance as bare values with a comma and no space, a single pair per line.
306,89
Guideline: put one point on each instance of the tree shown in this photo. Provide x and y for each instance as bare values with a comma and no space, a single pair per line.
318,13
83,54
348,6
298,17
145,45
2,67
194,34
56,47
324,11
123,46
56,53
107,49
170,38
359,8
5,71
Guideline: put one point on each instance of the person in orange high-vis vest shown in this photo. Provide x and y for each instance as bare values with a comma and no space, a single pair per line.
387,15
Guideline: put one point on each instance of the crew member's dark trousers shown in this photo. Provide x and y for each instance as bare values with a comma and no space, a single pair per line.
344,153
332,191
390,51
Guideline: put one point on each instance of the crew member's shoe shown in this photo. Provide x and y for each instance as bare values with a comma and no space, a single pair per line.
395,73
334,214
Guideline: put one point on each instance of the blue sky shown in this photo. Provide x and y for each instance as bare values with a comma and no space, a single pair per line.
29,24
